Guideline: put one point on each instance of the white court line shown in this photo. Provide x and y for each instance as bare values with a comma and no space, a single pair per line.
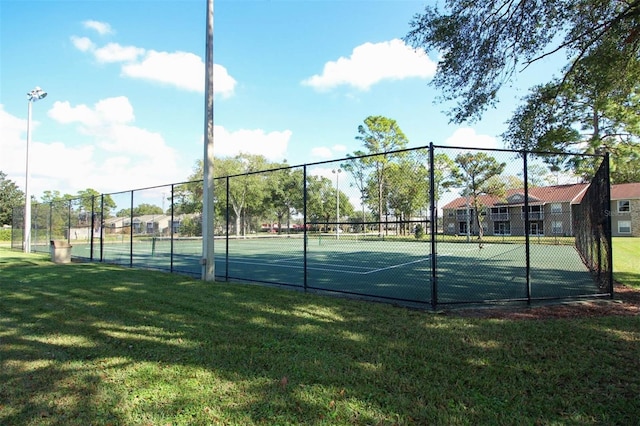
371,271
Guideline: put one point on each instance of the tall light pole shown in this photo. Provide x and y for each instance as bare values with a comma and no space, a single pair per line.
208,210
337,173
33,96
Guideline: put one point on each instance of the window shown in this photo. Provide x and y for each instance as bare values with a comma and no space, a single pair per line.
536,228
624,226
556,208
556,227
501,228
623,206
462,228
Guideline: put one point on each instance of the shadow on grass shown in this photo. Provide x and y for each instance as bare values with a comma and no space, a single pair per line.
97,344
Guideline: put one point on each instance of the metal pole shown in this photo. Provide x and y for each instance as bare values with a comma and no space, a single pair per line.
434,218
171,229
208,210
102,227
226,221
131,233
468,215
304,223
338,204
34,95
607,224
527,224
26,244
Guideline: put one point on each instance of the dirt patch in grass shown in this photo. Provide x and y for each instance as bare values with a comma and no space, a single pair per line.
626,302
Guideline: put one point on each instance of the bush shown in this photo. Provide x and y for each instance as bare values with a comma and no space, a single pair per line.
419,232
5,234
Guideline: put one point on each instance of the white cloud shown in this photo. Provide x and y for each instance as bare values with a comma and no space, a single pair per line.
83,44
321,152
371,63
101,28
468,138
324,152
105,112
272,145
114,156
113,52
183,70
180,69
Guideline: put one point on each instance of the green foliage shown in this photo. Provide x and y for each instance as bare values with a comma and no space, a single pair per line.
5,234
10,196
483,44
584,117
141,210
591,108
190,227
380,135
476,174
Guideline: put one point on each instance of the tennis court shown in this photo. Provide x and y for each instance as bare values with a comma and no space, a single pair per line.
370,266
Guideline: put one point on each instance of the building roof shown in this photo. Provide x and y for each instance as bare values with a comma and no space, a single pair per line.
625,191
538,195
571,193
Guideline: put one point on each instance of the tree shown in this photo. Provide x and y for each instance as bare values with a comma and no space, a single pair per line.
319,199
380,135
483,44
408,189
586,117
285,193
141,210
444,172
10,196
476,175
358,170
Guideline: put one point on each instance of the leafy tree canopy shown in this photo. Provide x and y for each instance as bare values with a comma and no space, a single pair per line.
484,43
10,197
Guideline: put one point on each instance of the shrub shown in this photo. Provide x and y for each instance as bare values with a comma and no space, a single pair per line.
5,234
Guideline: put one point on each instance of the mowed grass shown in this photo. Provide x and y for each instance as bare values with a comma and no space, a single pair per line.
98,344
626,260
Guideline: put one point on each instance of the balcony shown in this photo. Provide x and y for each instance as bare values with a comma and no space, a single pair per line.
534,215
500,217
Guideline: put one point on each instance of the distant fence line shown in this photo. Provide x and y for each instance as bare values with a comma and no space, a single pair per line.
366,226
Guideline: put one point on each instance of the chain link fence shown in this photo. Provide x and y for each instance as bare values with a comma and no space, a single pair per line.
421,227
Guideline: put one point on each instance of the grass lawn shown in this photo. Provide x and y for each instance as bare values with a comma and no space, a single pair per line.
98,344
626,260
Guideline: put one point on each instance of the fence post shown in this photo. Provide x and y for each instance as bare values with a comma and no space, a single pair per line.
608,223
131,233
304,221
433,212
226,262
101,227
171,230
527,225
91,224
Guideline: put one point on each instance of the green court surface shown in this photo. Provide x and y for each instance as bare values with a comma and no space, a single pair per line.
370,266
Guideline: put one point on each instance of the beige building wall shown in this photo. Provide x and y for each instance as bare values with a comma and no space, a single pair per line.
633,216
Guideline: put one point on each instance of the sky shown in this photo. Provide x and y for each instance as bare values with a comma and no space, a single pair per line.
293,80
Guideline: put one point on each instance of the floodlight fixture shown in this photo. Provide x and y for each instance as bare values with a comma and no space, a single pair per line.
36,94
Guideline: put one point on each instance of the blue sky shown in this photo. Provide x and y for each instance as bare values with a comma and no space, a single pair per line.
293,80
